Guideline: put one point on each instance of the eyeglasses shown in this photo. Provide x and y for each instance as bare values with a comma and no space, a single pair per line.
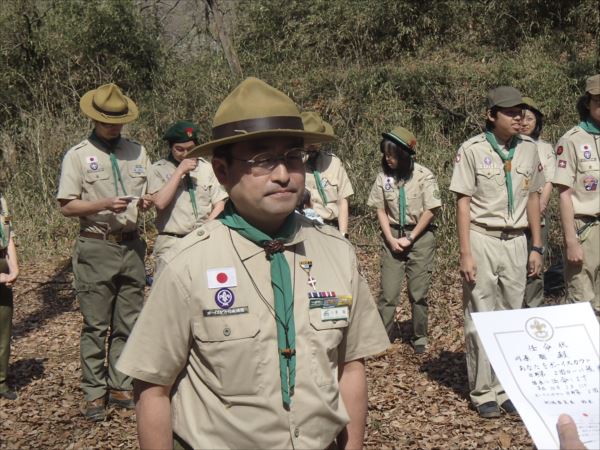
266,162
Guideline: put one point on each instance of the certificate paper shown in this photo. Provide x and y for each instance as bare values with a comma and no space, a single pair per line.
547,361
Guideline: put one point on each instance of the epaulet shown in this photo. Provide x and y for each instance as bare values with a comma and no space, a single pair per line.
323,229
474,140
133,141
200,234
526,138
77,146
160,162
204,160
575,129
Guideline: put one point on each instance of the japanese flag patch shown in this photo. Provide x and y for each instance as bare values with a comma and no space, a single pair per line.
221,277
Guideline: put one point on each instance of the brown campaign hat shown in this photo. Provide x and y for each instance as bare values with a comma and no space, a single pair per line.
403,137
504,97
255,110
532,104
592,85
107,104
314,123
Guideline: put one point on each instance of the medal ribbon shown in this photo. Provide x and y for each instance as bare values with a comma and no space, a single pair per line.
117,174
322,193
491,138
589,126
281,282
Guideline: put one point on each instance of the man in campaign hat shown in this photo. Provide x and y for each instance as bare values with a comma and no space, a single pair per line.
496,179
102,181
255,332
577,176
184,191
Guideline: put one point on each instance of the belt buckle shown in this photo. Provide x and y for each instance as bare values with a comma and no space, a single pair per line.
115,237
504,235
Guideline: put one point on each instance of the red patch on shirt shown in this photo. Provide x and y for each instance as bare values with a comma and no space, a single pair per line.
457,159
562,163
559,150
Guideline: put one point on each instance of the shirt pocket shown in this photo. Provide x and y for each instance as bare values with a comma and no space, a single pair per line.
326,339
226,344
330,187
137,178
490,178
414,203
525,175
94,177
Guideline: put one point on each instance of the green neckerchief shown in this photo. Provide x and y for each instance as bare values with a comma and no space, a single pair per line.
281,282
322,193
590,126
491,138
109,146
189,185
3,237
402,205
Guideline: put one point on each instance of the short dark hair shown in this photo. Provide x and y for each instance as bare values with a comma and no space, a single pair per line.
224,152
539,122
401,152
583,106
489,125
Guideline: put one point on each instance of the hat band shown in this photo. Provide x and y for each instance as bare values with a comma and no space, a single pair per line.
110,113
261,124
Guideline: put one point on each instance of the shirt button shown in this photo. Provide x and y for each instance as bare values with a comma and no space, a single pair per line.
226,331
296,432
200,233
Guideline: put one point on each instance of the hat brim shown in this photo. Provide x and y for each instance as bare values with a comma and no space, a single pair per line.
87,108
205,150
593,90
398,141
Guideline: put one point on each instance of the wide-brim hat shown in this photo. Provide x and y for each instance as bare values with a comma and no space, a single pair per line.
531,104
255,110
314,123
592,85
504,97
107,104
403,137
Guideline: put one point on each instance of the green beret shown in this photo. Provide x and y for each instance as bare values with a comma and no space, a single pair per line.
182,131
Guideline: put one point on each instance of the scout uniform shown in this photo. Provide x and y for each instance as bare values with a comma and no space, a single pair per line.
421,193
250,329
578,167
6,296
534,291
498,243
191,205
108,259
326,177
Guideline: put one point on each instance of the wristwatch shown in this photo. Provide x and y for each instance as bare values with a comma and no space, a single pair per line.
540,250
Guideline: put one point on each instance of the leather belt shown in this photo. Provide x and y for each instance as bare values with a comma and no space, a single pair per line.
500,233
164,233
116,236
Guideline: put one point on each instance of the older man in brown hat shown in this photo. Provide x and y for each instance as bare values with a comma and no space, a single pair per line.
254,334
496,179
102,181
577,176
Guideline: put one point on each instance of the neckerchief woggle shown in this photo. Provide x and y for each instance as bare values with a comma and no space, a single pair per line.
589,126
189,185
283,293
491,138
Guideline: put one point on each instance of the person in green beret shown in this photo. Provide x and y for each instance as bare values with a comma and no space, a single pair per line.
406,196
184,190
9,271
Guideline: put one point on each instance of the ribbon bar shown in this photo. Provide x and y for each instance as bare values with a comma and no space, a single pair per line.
259,124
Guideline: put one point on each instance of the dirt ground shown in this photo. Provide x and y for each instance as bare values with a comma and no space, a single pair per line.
415,401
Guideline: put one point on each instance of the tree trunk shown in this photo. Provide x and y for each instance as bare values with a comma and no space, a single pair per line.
216,17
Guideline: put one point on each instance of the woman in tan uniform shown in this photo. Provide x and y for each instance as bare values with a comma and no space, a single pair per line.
531,125
9,271
406,196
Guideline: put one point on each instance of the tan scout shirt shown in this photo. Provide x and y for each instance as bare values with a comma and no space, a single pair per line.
422,193
4,223
335,182
479,173
224,361
578,167
87,175
179,217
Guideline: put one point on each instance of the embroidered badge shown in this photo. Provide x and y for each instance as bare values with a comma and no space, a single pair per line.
92,162
585,147
559,150
540,167
189,132
337,313
221,277
458,157
225,312
389,182
525,184
324,182
587,154
138,169
590,183
562,163
224,298
487,162
436,194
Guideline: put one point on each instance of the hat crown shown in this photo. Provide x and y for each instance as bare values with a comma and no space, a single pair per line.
402,136
504,97
109,98
254,99
592,85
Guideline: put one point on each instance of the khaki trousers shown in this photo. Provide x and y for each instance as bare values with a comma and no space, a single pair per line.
499,285
109,280
534,291
583,282
6,313
417,265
